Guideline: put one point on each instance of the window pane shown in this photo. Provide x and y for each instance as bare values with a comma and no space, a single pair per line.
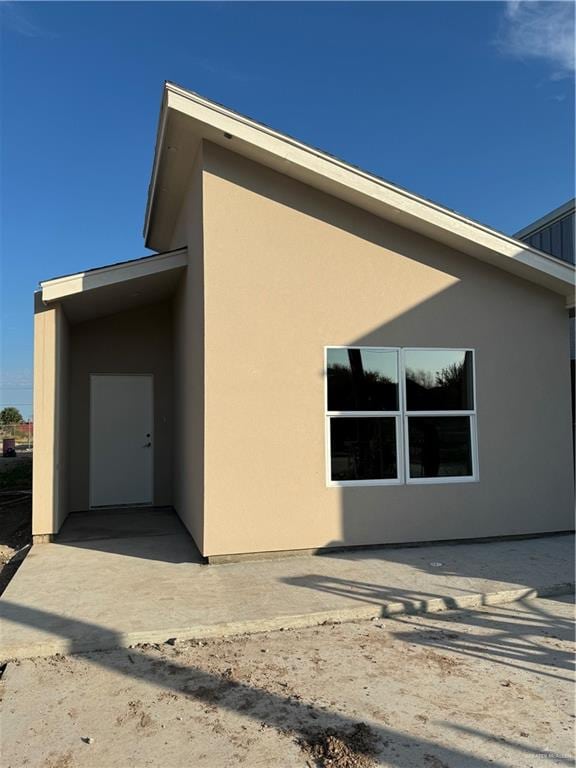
439,380
363,449
440,446
362,380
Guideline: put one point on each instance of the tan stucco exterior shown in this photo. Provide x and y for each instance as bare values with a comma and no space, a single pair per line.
288,270
189,392
277,270
51,388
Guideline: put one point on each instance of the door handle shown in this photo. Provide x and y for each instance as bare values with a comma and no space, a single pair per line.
147,445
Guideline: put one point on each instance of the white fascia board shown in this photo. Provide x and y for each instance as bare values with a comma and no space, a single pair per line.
60,287
337,176
155,163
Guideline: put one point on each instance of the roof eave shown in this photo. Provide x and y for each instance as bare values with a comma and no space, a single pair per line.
219,124
60,287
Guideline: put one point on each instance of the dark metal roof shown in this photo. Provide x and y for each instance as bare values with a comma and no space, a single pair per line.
553,233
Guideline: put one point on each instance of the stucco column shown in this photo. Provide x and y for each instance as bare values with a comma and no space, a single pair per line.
49,487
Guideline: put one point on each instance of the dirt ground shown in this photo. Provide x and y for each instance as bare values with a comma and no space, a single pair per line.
15,515
491,687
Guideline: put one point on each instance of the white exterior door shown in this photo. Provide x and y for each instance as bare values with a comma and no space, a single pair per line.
121,440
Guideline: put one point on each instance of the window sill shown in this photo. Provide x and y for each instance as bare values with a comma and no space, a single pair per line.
440,480
411,481
361,483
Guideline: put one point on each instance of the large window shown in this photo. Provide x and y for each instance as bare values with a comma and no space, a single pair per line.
400,415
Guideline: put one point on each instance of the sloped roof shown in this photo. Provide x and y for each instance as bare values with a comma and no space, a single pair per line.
186,119
549,218
111,274
115,287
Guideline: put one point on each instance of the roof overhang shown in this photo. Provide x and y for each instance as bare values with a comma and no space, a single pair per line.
82,282
186,119
115,288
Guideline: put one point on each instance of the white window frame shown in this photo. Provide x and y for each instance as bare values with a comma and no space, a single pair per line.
401,417
474,477
396,415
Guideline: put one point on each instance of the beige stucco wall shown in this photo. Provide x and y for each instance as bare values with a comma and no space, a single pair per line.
136,341
50,472
288,270
188,467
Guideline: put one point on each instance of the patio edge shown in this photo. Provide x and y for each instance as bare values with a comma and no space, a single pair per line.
57,646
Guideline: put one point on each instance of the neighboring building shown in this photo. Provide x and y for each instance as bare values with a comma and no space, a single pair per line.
315,358
555,234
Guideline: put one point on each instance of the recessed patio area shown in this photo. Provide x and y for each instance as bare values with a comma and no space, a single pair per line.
147,532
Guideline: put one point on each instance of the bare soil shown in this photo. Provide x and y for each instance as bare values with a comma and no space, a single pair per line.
15,515
490,688
354,747
16,473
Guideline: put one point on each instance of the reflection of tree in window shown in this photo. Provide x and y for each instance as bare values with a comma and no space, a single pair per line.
450,388
353,387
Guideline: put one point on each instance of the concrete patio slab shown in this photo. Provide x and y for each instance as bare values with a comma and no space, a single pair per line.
115,523
115,592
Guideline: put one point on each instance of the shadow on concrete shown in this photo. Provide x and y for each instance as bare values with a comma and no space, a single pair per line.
521,561
365,592
511,644
151,533
511,641
288,715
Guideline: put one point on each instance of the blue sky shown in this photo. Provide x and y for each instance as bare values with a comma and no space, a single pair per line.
469,104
